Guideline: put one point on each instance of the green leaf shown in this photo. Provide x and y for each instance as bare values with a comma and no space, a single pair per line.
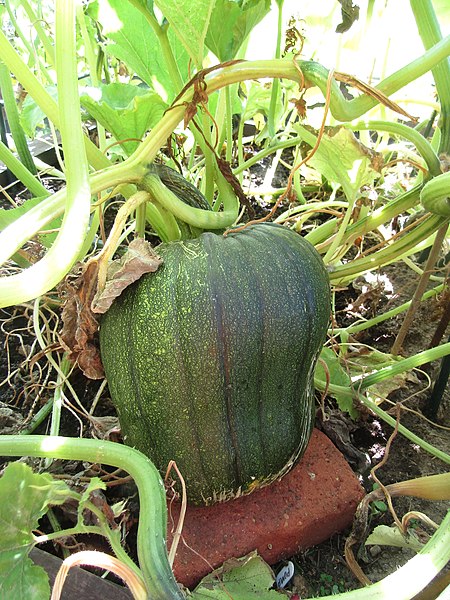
127,111
258,100
337,376
131,39
20,578
32,115
343,159
239,578
383,535
94,484
230,24
24,499
190,20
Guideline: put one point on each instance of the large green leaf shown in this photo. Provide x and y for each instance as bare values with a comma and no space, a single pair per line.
131,39
231,22
24,499
190,20
244,578
127,111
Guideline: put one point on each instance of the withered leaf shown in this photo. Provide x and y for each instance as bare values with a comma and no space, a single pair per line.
140,258
80,325
106,428
350,14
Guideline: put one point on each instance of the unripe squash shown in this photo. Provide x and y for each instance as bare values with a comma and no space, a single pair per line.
210,360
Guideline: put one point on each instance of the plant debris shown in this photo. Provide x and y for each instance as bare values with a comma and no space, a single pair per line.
139,259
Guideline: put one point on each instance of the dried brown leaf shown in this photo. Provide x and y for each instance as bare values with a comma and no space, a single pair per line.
140,258
374,92
80,325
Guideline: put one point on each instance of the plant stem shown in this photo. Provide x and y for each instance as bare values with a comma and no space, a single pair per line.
423,146
342,109
43,37
146,152
275,84
39,94
430,32
131,205
22,173
161,34
12,115
32,54
16,234
152,552
419,291
401,366
414,241
91,60
324,234
189,214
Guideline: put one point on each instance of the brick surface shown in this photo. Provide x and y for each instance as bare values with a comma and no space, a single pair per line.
313,501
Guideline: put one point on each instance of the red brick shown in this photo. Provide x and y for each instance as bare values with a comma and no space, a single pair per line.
314,500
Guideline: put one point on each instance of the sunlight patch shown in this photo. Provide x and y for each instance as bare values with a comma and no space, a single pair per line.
108,18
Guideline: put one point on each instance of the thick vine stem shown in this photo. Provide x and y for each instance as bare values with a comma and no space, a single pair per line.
152,552
189,214
435,195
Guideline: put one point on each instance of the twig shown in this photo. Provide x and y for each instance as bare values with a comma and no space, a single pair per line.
179,528
383,462
415,302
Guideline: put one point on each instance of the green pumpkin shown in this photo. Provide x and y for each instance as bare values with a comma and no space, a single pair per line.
210,360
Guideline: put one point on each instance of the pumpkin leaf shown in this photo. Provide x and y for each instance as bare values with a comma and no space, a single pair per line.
190,20
230,24
19,515
238,578
341,158
31,115
132,40
127,111
140,258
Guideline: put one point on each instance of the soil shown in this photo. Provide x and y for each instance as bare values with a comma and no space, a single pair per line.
26,385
